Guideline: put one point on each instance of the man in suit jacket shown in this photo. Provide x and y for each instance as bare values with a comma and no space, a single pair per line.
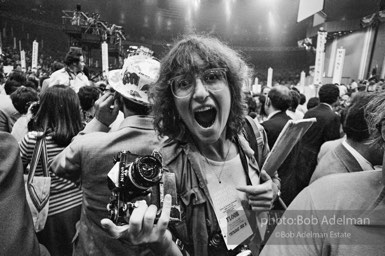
354,153
277,102
358,196
326,128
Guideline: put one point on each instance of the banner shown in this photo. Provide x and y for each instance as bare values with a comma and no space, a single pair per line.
35,52
14,43
105,59
22,61
270,77
320,57
339,65
302,79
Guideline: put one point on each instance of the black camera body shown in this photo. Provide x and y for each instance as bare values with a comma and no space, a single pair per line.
139,179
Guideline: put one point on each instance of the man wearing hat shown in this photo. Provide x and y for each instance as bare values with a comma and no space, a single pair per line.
90,156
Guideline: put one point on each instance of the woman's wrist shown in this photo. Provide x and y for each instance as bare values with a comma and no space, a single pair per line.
166,247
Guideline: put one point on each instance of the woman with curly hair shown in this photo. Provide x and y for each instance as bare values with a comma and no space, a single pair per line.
58,116
198,103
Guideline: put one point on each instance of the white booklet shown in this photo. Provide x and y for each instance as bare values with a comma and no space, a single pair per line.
289,136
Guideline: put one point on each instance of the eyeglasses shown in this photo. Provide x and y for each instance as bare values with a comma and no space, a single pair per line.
182,86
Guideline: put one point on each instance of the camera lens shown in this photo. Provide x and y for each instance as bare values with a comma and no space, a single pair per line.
146,172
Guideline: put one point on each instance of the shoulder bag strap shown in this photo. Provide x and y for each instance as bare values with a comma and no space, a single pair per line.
40,152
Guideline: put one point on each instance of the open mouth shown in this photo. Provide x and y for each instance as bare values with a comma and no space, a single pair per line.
205,117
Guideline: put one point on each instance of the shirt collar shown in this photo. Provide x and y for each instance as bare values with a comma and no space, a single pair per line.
327,105
138,121
273,113
363,162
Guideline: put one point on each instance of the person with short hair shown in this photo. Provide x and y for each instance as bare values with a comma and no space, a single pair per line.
327,127
355,201
313,102
90,156
355,153
22,99
277,103
88,95
293,111
8,113
72,74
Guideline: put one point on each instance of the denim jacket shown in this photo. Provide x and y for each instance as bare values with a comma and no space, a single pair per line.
199,223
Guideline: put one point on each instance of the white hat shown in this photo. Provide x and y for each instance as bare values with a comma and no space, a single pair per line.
139,72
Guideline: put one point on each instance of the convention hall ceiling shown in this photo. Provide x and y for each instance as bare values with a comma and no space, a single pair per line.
240,22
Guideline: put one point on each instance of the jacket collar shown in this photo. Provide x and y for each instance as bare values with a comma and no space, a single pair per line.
347,159
137,121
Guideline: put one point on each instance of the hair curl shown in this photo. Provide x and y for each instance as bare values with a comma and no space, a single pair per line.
180,59
375,115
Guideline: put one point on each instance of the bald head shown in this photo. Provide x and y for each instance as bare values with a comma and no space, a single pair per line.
280,97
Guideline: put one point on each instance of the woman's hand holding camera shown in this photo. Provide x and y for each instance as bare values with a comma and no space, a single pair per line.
141,229
261,197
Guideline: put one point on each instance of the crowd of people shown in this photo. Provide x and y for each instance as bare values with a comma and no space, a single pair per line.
192,109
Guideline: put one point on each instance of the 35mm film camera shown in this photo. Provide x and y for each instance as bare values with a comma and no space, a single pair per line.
142,178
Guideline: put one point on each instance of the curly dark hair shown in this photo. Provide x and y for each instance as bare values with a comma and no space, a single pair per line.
179,60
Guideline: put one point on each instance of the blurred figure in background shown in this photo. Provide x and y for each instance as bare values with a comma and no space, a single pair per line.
88,95
355,153
302,107
293,110
327,127
22,99
8,113
72,74
312,103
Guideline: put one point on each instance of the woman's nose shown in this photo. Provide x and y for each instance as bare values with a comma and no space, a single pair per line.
200,90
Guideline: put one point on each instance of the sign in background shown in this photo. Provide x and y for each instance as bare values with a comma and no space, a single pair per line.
320,57
105,59
35,52
339,66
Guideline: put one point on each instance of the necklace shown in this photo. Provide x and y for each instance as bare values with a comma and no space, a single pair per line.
222,168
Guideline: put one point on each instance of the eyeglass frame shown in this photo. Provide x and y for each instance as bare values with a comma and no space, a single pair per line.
171,81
